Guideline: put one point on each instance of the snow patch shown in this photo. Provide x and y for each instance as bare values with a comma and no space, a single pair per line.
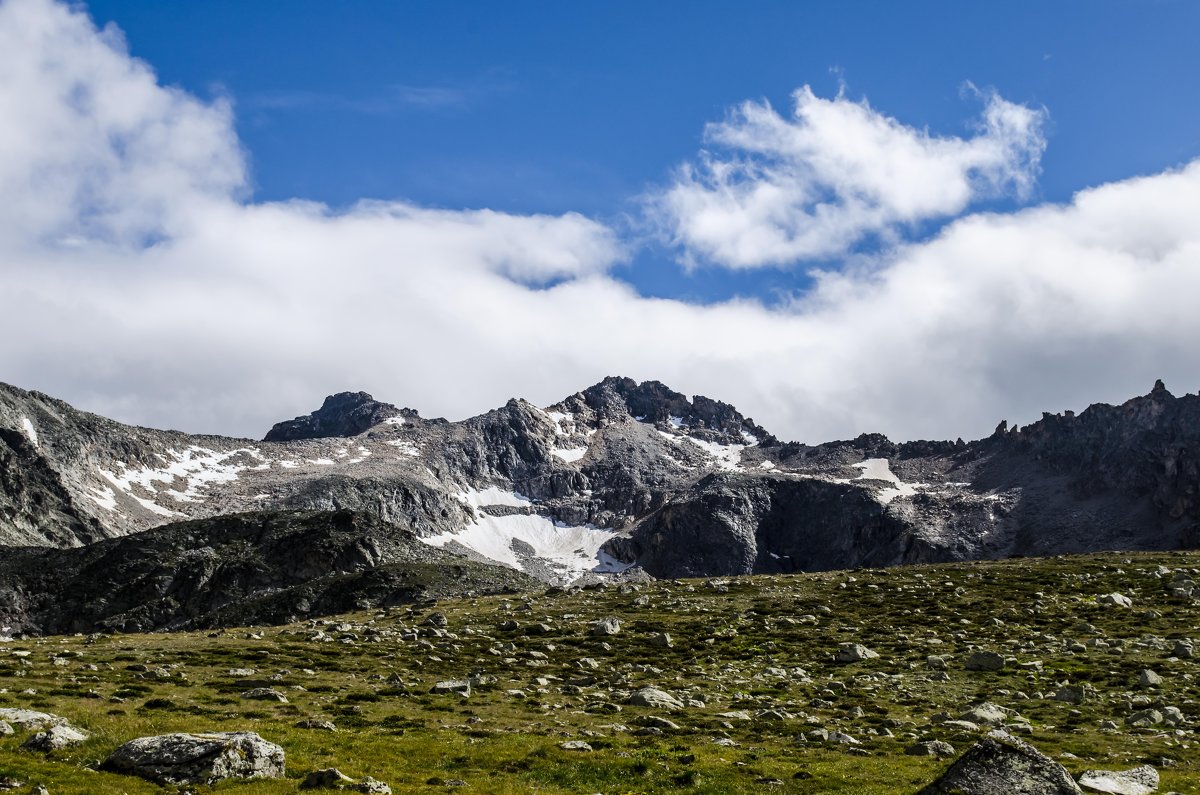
393,421
728,456
195,466
30,431
570,454
324,462
405,447
568,551
750,438
677,422
493,496
879,469
767,465
105,497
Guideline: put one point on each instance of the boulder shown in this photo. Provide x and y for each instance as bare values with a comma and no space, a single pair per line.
1115,600
28,720
1000,764
854,652
198,758
653,697
54,739
1141,780
931,748
605,627
327,778
985,661
460,687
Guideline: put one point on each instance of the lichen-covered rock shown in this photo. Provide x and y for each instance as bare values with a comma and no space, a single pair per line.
1141,780
55,738
28,720
1000,764
655,698
198,758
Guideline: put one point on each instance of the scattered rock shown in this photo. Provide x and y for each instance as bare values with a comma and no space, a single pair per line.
28,720
265,694
460,687
575,745
1115,599
661,639
1000,764
931,748
1141,780
328,778
198,758
318,725
54,739
655,698
605,627
985,661
1148,679
854,652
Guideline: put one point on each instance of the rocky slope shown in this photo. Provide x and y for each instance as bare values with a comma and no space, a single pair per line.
623,474
266,567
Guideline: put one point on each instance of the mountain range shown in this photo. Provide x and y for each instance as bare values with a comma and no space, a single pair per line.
114,526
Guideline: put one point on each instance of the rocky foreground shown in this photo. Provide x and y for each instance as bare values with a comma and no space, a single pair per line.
1063,675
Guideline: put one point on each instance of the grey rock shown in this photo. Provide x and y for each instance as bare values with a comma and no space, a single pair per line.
987,714
1142,780
1000,764
6,729
575,745
318,725
328,778
1144,718
29,720
198,758
1115,600
936,748
854,652
265,694
1148,679
605,627
654,698
55,738
985,661
461,687
661,639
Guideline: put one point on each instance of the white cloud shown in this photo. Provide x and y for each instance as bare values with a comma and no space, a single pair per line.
782,190
240,314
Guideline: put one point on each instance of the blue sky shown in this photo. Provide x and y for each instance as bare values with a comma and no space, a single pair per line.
541,107
915,219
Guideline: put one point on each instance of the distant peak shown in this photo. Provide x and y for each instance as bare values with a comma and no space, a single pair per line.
343,414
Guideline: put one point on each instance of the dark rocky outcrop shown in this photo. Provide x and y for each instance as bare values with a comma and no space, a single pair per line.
198,758
1000,764
344,414
267,567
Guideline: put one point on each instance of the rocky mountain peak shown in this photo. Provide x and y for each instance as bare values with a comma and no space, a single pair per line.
344,414
617,398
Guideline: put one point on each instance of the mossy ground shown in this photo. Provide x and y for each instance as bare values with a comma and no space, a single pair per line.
736,644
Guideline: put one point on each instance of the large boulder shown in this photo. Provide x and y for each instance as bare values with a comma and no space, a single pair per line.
55,738
1142,780
28,720
198,758
1000,764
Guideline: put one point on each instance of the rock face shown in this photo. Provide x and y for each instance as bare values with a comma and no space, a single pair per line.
344,414
198,758
620,475
1003,765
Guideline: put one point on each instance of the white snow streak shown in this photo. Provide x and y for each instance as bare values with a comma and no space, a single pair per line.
196,467
30,431
879,469
570,454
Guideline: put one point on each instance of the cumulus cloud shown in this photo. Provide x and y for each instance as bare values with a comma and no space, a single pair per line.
775,190
138,281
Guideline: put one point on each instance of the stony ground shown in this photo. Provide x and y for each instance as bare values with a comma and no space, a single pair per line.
749,693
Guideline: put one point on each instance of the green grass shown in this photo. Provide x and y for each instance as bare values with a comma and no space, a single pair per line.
736,646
